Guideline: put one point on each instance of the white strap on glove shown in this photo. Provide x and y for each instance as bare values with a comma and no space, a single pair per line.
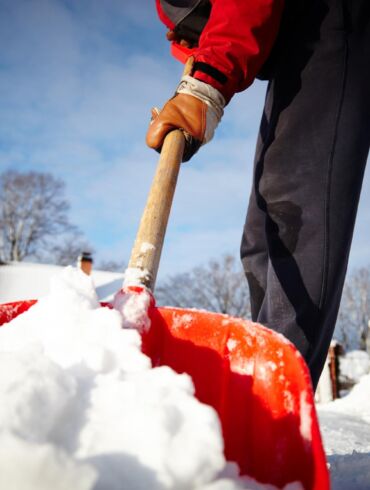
210,96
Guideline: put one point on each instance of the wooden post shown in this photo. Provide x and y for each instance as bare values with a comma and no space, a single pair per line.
335,350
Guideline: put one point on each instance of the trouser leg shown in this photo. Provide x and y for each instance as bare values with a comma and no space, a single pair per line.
310,160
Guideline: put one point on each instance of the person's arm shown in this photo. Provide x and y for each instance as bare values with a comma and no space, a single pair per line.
233,46
236,42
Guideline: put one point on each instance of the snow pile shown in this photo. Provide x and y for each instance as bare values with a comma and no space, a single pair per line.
353,365
357,403
24,280
345,425
81,407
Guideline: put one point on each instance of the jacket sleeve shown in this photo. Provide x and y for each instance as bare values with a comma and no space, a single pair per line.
235,43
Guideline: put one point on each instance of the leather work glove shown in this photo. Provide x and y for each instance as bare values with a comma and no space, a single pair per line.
196,109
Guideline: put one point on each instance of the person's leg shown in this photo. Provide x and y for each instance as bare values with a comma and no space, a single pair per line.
253,249
308,173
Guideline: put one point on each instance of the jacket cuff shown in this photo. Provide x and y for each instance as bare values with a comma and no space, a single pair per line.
212,76
204,92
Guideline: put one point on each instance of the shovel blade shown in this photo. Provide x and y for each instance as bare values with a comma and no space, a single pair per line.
254,378
258,383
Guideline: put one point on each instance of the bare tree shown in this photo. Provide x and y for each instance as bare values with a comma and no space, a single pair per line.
219,286
111,265
33,214
354,314
67,250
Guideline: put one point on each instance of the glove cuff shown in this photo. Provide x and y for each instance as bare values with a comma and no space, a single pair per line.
204,92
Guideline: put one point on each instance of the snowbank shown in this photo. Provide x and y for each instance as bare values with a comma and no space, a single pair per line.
24,280
345,425
82,408
353,365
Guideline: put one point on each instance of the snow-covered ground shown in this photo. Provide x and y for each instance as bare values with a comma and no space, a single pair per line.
345,426
353,365
61,365
24,280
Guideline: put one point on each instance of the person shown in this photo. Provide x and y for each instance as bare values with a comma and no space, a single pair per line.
311,151
85,262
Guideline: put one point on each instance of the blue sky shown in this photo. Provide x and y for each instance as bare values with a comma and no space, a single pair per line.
78,79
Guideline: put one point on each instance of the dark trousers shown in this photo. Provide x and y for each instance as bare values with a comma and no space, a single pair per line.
310,159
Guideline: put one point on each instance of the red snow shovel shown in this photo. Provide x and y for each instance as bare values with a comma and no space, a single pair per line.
255,379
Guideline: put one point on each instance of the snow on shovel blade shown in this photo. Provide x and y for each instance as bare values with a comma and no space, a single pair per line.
254,378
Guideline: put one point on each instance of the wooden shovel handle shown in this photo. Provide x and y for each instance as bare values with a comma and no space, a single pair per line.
146,252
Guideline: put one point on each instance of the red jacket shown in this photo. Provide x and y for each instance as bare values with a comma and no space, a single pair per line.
236,42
